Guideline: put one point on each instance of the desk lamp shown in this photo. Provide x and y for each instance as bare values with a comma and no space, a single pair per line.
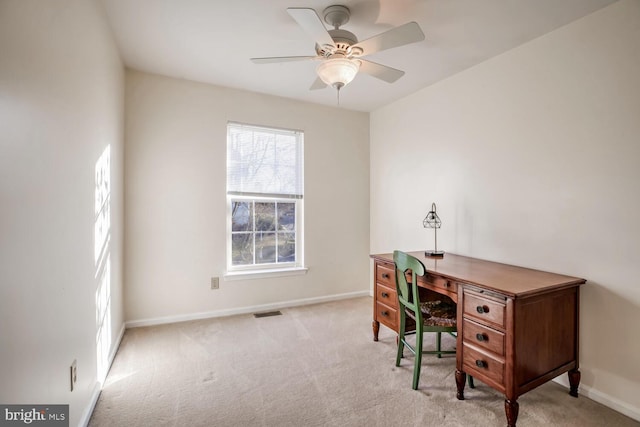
432,220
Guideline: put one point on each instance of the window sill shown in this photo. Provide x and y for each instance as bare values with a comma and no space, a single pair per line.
259,274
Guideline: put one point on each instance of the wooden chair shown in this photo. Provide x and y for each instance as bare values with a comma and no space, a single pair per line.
430,316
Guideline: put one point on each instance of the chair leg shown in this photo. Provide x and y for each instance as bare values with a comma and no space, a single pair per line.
400,349
400,339
418,359
438,344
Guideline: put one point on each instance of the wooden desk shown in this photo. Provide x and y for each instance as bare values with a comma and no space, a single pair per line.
517,327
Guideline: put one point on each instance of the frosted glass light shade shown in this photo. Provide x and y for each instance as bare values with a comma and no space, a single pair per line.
338,72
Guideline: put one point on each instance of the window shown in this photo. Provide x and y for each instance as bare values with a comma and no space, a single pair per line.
264,198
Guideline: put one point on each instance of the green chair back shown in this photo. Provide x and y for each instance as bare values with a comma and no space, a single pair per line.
408,294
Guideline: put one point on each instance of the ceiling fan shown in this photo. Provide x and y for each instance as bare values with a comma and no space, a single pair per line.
339,50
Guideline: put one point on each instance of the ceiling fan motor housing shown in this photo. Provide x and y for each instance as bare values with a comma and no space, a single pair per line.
343,41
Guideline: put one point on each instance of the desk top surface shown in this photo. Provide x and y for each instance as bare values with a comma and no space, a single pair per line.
504,278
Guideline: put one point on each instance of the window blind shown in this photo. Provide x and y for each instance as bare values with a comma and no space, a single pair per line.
264,162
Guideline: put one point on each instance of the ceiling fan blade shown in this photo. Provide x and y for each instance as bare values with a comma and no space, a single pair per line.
310,22
398,36
380,71
318,84
274,59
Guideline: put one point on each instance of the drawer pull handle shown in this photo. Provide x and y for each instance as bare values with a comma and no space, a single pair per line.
481,364
385,313
447,285
481,337
482,309
385,275
385,295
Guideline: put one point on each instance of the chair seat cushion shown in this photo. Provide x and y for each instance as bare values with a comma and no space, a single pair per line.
438,313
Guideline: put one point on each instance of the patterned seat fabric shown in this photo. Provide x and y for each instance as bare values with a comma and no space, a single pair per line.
438,313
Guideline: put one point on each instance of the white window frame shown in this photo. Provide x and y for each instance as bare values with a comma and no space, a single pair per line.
266,269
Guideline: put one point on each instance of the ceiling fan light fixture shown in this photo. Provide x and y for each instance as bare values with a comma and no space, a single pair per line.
338,72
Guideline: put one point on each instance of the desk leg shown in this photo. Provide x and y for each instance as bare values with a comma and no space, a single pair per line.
461,379
511,410
574,382
376,328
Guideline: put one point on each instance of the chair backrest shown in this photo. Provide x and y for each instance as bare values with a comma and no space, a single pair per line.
408,292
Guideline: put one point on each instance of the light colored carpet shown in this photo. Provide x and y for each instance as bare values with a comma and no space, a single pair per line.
315,365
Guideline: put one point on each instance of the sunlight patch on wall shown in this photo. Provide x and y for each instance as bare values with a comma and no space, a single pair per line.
102,225
102,257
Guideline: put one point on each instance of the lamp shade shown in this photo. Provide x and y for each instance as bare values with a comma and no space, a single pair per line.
338,72
432,220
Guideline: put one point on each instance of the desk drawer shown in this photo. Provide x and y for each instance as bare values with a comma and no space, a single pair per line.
385,274
483,336
439,283
387,316
483,309
482,365
386,295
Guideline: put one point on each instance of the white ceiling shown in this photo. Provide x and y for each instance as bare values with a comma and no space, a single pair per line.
211,41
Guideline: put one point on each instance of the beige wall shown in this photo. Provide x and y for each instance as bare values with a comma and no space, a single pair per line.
532,158
175,168
61,106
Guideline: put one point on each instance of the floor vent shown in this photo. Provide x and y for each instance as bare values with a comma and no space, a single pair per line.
267,314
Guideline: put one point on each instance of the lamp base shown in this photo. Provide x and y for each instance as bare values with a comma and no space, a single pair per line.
434,254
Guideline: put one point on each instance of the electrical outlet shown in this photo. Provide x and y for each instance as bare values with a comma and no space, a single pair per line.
215,283
73,372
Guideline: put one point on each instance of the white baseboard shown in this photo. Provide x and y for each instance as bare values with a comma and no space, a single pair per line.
97,388
603,398
243,310
86,414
